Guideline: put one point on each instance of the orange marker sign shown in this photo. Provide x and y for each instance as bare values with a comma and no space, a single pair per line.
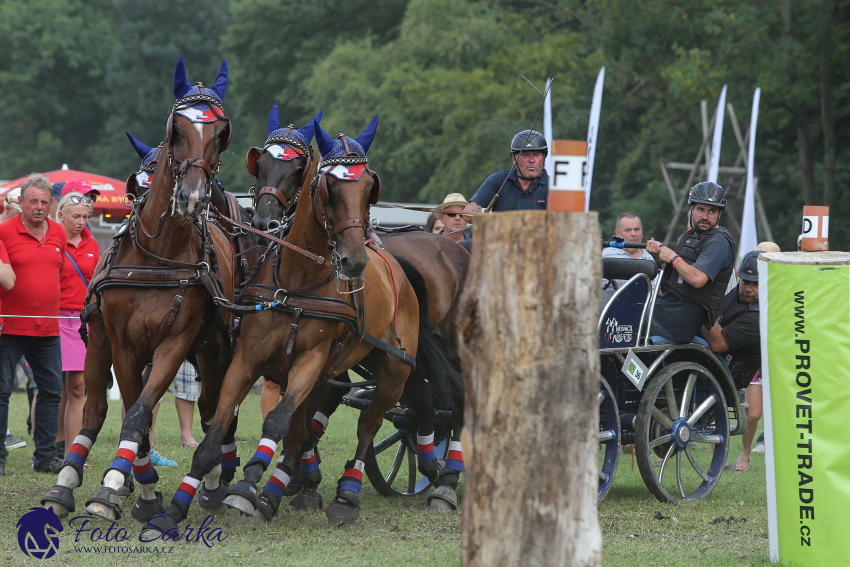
566,180
815,229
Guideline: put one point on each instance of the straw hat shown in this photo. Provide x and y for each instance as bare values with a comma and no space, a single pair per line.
452,200
768,247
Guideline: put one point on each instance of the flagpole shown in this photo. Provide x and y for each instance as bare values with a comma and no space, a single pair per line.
547,125
592,135
749,236
714,164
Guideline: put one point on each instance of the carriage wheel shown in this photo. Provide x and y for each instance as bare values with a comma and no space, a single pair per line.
683,405
609,437
392,468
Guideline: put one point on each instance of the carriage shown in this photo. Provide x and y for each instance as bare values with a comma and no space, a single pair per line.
676,404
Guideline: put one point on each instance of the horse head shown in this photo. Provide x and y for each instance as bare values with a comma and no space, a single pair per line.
341,194
279,166
196,134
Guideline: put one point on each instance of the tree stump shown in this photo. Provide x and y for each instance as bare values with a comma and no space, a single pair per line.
530,352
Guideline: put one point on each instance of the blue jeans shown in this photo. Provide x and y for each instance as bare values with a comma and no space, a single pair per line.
45,357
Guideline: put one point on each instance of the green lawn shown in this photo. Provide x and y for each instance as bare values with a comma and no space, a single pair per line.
390,532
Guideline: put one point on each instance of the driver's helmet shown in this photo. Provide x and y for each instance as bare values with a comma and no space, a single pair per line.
707,193
749,268
529,141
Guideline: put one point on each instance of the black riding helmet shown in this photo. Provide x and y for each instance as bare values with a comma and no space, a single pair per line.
529,141
749,268
707,193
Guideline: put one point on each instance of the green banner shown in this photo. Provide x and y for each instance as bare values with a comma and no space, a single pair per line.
805,311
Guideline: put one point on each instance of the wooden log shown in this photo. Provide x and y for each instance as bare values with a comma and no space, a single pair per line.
530,353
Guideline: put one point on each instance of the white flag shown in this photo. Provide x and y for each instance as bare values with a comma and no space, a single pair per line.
714,163
547,125
592,134
749,237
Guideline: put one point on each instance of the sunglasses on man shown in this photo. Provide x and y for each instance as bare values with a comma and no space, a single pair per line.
451,215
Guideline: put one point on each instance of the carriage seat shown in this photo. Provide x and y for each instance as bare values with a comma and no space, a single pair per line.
626,268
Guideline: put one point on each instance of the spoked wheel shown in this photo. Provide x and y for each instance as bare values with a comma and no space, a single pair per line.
682,410
609,437
392,467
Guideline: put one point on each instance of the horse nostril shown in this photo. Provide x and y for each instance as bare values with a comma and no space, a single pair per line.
346,265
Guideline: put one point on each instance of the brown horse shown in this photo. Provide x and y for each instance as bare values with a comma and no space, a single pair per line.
443,265
305,338
153,304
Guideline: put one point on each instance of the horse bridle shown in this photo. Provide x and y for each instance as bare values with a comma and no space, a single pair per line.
319,197
251,163
179,171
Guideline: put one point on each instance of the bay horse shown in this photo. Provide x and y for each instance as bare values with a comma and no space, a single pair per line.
362,308
152,303
443,265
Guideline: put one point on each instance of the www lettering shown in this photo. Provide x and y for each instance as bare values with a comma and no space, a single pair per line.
803,418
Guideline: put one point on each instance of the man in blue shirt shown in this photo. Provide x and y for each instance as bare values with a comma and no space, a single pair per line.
525,186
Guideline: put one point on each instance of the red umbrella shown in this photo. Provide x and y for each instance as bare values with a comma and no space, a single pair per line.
111,190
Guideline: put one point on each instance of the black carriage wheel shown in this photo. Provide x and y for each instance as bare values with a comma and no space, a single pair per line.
609,437
684,409
392,467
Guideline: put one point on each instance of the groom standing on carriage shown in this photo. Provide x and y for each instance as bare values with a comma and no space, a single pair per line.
699,269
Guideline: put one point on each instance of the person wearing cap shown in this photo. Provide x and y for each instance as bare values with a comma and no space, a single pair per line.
735,336
36,247
525,186
55,195
81,186
451,217
12,208
698,270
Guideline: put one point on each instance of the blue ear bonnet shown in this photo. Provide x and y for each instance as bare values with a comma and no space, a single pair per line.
303,135
334,148
183,89
147,154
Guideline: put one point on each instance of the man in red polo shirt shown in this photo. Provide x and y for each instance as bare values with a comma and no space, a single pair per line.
36,248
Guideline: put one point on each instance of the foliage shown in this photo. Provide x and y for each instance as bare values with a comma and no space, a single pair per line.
444,76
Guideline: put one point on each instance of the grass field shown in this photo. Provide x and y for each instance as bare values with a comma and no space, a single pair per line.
727,529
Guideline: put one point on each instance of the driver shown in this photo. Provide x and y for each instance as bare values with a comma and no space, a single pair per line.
694,283
526,186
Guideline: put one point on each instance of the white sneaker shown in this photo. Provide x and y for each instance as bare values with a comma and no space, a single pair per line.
759,448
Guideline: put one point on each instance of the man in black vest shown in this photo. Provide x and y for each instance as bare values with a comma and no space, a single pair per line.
735,339
699,269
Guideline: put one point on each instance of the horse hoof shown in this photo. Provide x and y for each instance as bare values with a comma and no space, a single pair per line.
307,500
242,497
60,499
443,499
105,504
143,510
343,511
212,501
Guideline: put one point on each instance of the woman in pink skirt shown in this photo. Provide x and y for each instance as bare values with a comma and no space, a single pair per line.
74,211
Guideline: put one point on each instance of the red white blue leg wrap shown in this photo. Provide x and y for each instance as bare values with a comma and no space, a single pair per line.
144,472
278,481
352,478
454,460
425,447
125,456
229,460
187,489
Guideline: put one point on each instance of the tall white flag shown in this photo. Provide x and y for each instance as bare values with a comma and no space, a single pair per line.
547,125
749,237
714,163
592,134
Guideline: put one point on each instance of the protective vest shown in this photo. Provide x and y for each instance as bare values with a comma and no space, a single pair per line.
711,294
743,362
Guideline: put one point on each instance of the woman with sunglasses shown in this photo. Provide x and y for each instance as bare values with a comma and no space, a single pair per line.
82,254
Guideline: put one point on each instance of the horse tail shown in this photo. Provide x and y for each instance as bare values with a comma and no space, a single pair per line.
432,359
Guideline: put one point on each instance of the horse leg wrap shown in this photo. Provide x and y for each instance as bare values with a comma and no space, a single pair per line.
143,471
137,424
79,452
320,423
264,454
454,460
274,490
186,492
143,510
243,497
229,462
428,464
268,503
